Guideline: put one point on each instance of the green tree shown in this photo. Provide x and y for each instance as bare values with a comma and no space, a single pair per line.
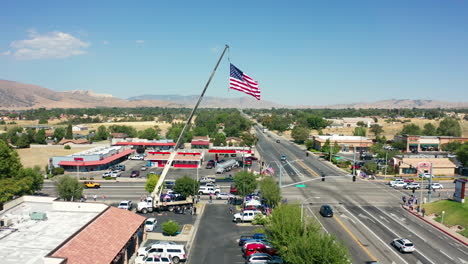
302,240
429,130
316,122
361,124
69,132
43,121
376,129
300,134
452,146
328,149
151,182
101,134
370,168
149,133
270,191
69,188
411,129
449,127
309,144
170,228
186,186
10,162
175,130
462,154
248,139
40,137
23,141
219,139
59,133
246,182
360,131
129,130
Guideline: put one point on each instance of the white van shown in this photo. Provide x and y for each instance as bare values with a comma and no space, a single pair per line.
171,250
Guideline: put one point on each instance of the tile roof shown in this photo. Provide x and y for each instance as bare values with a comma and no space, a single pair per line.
103,239
436,162
74,141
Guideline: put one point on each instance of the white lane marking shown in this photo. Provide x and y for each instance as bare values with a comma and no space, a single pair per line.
385,219
394,216
391,231
446,255
372,232
366,217
462,261
386,190
317,220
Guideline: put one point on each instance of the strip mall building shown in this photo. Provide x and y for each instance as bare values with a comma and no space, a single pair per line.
426,143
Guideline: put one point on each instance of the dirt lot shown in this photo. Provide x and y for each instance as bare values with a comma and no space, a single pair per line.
31,157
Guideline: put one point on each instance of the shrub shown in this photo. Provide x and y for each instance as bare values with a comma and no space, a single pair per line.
170,228
58,170
260,220
109,178
67,147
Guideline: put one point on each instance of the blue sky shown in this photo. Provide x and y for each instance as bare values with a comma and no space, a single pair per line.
301,52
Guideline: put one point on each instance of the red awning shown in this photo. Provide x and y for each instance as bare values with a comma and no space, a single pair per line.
96,162
157,144
227,151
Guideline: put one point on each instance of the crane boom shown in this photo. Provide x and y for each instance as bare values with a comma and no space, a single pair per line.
158,188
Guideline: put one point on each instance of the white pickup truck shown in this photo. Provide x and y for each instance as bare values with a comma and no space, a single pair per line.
246,216
208,190
207,179
392,183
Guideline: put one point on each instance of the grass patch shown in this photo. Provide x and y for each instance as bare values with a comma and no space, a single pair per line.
455,213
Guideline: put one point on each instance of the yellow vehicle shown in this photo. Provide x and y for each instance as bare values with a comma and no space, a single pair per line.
91,184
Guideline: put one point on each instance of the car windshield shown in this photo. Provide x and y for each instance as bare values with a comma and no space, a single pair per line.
408,244
149,222
123,204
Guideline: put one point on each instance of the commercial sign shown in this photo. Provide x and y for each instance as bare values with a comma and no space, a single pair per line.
77,159
459,194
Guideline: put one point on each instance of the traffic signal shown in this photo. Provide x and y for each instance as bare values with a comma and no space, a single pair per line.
354,178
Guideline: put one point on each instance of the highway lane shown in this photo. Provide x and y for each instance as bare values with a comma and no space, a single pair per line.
366,204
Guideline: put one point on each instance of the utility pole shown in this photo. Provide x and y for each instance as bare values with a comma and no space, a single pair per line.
354,163
386,152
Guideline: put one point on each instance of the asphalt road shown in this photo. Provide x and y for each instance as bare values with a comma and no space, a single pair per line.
368,216
217,237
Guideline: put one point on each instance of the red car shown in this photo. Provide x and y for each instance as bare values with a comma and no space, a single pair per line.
233,189
254,248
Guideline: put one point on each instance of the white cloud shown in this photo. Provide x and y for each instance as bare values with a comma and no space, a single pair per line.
6,53
55,45
139,41
105,42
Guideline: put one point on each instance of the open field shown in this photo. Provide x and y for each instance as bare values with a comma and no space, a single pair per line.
39,156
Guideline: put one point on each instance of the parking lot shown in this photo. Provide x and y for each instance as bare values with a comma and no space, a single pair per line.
217,237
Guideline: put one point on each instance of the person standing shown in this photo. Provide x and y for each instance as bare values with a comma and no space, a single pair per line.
194,210
95,197
423,211
211,198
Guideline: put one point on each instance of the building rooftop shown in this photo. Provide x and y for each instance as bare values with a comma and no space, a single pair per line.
341,138
25,240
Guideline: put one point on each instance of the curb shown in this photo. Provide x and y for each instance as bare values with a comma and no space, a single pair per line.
441,229
194,232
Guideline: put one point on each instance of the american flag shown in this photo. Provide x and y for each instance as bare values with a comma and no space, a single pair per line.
270,170
241,82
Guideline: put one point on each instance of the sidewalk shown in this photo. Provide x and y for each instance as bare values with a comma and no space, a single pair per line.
429,219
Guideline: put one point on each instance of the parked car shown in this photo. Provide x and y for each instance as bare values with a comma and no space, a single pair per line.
246,216
412,185
425,175
143,168
210,164
136,157
436,185
391,183
208,190
223,196
244,238
207,179
119,167
403,245
326,211
399,184
277,141
152,259
175,251
233,189
263,258
91,184
134,174
115,174
150,224
126,204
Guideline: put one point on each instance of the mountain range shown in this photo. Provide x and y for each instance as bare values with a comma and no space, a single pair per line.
20,96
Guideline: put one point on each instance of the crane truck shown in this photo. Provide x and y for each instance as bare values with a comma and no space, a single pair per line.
154,202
